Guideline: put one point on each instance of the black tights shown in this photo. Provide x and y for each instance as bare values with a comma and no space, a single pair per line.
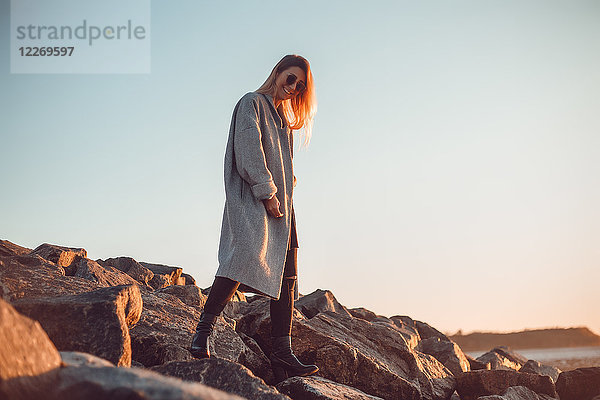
223,290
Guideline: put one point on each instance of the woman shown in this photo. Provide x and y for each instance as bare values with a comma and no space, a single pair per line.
258,245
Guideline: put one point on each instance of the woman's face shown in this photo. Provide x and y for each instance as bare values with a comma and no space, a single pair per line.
285,90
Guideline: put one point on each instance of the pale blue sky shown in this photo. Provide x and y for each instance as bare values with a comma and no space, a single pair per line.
453,175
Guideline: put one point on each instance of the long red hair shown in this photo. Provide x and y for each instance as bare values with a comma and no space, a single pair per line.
300,110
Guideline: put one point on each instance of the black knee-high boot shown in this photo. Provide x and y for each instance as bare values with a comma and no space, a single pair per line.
283,361
199,347
221,292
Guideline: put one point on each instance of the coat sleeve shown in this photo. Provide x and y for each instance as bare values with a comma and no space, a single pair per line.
249,154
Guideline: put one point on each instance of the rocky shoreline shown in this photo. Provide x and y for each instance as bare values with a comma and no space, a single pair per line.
76,328
528,339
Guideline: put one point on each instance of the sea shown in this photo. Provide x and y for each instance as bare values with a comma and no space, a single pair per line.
564,358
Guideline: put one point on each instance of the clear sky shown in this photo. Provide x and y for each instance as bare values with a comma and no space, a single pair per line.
453,174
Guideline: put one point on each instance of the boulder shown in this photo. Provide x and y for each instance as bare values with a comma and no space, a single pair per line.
475,365
33,276
379,361
446,352
103,276
406,321
188,279
261,366
160,281
370,357
188,294
517,393
131,267
164,275
90,382
503,358
11,249
410,335
473,384
250,297
77,359
221,374
579,384
319,301
27,356
407,328
165,329
424,330
380,319
60,255
362,313
536,367
317,388
95,322
510,354
427,331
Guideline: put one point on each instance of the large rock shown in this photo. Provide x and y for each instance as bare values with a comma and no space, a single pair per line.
131,267
473,384
164,333
363,313
259,363
317,388
77,359
373,358
27,356
425,330
319,301
95,322
222,374
189,294
535,367
502,357
33,276
579,384
517,393
475,364
188,279
103,276
164,275
380,360
92,382
11,249
510,354
60,255
446,352
407,328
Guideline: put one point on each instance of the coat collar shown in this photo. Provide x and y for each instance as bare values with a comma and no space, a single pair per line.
282,123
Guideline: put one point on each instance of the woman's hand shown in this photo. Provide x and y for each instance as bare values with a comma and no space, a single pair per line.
272,206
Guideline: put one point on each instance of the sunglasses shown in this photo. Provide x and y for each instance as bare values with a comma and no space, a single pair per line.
300,86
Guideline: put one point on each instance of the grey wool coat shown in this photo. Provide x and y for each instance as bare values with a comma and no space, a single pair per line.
258,164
